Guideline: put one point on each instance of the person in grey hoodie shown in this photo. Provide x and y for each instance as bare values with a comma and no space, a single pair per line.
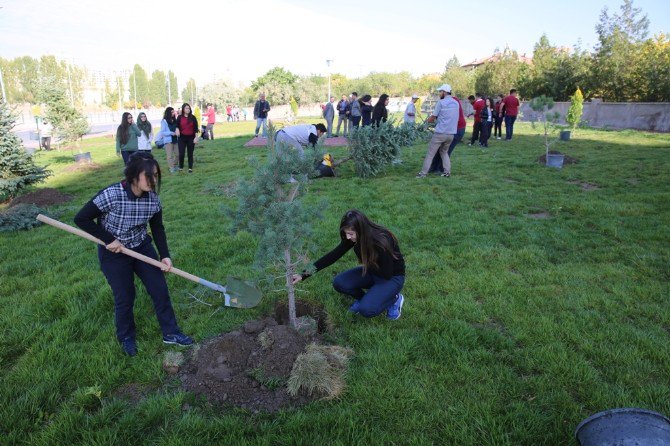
355,111
329,115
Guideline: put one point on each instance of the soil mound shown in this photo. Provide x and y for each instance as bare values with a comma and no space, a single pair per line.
42,198
566,160
247,368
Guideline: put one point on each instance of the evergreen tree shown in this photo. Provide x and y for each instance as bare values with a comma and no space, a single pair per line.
17,168
271,207
67,121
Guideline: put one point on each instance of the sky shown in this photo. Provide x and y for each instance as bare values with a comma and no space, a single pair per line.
239,40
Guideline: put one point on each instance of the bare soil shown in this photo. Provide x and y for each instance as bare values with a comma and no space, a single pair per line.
42,198
249,367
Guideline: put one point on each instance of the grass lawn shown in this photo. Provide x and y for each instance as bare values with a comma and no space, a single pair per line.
515,328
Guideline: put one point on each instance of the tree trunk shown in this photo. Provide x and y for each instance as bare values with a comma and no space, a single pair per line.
290,288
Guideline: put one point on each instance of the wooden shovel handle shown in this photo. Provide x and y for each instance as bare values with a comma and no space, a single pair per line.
126,251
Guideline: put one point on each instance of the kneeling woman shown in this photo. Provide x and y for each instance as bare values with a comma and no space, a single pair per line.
123,211
382,270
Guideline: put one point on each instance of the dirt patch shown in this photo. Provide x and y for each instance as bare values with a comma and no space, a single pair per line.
82,167
538,215
42,198
247,368
566,160
585,186
134,393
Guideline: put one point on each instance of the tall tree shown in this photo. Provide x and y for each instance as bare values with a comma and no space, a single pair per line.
158,88
172,86
189,93
278,84
138,86
462,81
498,77
619,35
17,168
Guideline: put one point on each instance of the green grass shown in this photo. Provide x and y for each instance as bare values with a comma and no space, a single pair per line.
514,329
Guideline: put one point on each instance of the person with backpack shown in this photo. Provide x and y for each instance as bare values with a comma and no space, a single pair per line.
188,129
123,211
377,283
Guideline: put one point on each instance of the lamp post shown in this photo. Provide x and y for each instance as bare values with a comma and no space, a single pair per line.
328,62
2,86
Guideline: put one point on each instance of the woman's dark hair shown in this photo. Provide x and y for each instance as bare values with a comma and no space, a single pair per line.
379,112
184,105
144,126
365,98
122,133
140,163
369,235
169,115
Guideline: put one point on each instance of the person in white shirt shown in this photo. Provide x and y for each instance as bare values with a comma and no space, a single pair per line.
146,135
410,111
299,136
446,115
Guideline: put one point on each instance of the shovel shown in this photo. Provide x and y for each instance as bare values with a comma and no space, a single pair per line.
237,293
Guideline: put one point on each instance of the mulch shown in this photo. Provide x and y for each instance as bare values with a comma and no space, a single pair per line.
42,198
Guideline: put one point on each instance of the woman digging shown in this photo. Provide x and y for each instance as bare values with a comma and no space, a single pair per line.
122,211
382,270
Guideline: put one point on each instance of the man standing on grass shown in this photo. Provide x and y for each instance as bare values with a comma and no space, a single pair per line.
261,109
342,118
446,115
410,111
511,109
478,105
329,115
211,119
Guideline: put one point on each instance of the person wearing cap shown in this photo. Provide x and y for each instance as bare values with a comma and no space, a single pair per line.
299,136
410,111
445,116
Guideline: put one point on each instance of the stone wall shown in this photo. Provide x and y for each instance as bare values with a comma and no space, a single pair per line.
651,116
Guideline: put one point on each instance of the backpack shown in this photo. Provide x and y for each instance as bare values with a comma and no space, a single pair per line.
159,141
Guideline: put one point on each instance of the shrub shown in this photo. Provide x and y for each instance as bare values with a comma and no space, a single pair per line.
21,216
320,370
576,109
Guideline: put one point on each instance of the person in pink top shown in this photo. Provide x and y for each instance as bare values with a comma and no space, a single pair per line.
510,106
211,119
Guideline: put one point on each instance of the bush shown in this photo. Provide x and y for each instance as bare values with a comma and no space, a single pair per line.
576,109
21,216
320,370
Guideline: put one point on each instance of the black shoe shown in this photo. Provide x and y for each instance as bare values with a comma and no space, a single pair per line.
129,346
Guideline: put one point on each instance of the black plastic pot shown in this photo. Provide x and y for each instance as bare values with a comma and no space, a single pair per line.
624,427
565,135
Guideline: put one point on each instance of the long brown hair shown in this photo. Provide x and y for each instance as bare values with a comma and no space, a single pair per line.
122,133
370,237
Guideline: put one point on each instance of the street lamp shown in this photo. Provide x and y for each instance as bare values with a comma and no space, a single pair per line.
328,62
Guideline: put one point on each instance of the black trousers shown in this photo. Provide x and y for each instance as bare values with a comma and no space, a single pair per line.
119,270
186,143
476,128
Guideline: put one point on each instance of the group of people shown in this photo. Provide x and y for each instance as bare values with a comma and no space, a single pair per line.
353,112
234,113
489,114
178,135
450,125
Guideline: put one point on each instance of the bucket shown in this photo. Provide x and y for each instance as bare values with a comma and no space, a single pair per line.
565,135
82,157
624,427
555,160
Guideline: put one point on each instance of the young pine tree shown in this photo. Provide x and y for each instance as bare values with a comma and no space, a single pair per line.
271,207
17,168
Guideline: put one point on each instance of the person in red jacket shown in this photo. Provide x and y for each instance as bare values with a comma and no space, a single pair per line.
188,127
478,106
511,108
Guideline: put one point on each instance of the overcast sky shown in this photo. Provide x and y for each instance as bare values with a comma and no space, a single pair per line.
242,39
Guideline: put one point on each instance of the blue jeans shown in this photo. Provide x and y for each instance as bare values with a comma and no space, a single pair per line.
120,270
436,165
509,126
262,121
355,122
381,292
